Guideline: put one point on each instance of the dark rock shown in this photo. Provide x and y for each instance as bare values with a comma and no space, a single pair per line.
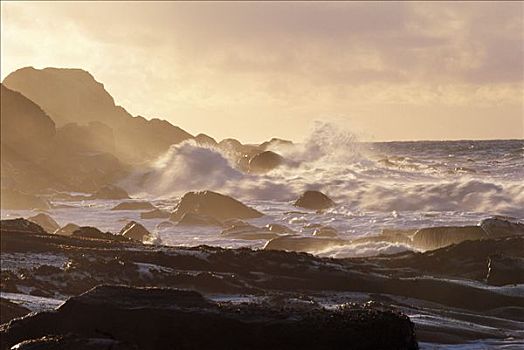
72,341
10,310
67,230
133,230
155,214
500,226
438,237
13,199
45,221
193,219
264,162
94,233
503,270
314,200
138,205
247,231
213,204
167,318
275,143
110,192
297,243
21,225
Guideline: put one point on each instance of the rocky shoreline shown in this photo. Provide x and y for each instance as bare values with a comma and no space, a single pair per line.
453,279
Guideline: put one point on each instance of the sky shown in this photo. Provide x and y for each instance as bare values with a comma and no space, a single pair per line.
257,70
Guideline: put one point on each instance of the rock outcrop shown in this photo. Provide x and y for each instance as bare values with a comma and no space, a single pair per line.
45,221
67,230
156,318
297,243
314,200
155,214
500,226
216,205
135,231
193,219
504,270
265,161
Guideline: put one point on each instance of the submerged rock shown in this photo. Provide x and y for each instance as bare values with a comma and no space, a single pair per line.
45,221
264,161
155,214
438,237
247,231
164,225
314,200
155,318
17,200
325,231
67,230
138,205
110,192
135,231
213,204
500,226
503,270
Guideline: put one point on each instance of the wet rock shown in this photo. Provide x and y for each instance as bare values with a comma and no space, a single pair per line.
110,192
135,231
438,237
314,200
67,230
213,204
21,225
297,243
17,200
137,205
500,226
72,341
154,318
503,270
275,143
264,162
193,219
155,214
45,221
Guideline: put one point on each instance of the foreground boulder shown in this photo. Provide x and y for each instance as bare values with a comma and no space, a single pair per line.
503,270
153,318
133,230
17,200
500,226
264,162
110,192
314,200
138,205
215,205
45,221
438,237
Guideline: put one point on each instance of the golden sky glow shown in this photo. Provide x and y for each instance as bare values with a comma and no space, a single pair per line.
391,71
